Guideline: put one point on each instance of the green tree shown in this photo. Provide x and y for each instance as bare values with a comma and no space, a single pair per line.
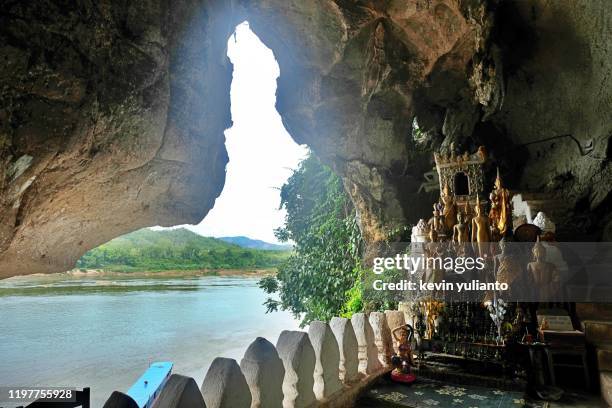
147,250
322,276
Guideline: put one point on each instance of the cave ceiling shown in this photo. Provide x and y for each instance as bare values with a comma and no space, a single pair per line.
112,113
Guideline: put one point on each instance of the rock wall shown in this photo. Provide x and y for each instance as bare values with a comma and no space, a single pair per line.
112,114
529,80
112,118
558,72
350,77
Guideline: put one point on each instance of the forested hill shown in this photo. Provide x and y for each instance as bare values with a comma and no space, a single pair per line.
247,242
148,250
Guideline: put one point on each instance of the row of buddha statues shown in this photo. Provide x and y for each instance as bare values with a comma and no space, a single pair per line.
464,221
464,224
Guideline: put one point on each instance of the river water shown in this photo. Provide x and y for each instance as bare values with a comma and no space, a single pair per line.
103,333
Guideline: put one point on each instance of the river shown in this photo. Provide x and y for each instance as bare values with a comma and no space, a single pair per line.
103,333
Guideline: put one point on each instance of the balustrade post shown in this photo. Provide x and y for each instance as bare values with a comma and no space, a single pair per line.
120,400
180,392
395,319
368,353
327,366
349,349
298,356
264,373
225,386
382,337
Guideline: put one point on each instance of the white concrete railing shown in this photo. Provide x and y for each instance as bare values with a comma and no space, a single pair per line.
327,367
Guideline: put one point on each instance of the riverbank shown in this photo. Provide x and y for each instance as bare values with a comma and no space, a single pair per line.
99,281
175,273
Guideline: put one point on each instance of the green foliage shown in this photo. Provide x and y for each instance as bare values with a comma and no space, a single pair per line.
376,300
354,303
320,278
179,249
418,135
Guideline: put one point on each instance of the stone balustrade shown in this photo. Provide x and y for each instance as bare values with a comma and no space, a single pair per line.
329,366
299,359
264,372
349,349
369,361
382,337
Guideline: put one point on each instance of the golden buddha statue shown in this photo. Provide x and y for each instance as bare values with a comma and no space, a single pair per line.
435,223
508,268
449,211
461,235
433,308
468,214
501,211
480,230
461,230
433,235
543,274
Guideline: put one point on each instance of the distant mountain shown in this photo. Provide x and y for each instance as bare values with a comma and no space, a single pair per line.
172,237
246,242
176,249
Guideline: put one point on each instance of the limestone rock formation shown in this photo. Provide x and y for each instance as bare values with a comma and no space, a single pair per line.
111,119
112,116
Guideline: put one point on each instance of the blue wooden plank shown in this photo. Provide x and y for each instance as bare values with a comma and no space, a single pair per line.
148,386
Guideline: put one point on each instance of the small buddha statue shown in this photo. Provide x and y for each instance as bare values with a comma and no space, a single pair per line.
553,252
435,223
480,230
433,235
432,250
467,214
449,211
544,325
501,211
508,268
461,234
543,274
482,153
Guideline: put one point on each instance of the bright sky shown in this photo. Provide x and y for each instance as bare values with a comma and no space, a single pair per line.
261,152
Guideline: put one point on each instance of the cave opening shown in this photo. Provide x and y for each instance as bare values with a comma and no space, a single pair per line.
262,155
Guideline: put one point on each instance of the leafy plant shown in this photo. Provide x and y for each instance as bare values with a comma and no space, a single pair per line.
320,279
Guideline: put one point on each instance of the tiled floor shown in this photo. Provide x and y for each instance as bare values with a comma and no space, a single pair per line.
433,394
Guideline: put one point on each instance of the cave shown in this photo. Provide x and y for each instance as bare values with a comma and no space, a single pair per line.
112,116
353,78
